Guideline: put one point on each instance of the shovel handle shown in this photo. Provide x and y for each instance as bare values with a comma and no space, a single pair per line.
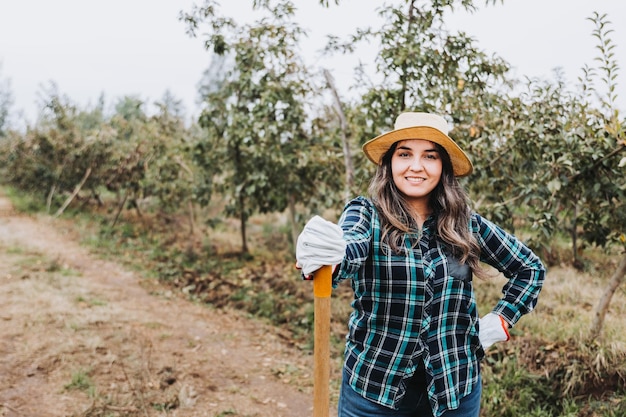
323,282
322,289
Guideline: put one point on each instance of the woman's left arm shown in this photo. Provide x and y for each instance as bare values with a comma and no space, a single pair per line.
522,267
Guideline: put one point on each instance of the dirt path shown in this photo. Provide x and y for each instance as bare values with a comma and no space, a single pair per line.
82,336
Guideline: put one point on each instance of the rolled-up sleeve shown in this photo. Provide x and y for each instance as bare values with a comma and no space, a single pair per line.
520,265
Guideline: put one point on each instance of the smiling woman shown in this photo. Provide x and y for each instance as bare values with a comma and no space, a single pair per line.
416,170
415,339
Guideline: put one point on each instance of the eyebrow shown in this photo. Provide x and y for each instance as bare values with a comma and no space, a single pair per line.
404,147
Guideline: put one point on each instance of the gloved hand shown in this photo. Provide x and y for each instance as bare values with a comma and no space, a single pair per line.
491,329
320,243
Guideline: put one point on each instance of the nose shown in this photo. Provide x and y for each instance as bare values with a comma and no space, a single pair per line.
416,164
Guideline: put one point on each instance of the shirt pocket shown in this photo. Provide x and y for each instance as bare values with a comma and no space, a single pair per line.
454,304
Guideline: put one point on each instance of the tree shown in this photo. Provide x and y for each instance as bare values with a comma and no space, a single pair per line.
150,160
256,117
604,203
559,154
422,66
171,175
64,152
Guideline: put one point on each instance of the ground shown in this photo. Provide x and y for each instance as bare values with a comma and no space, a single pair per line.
83,336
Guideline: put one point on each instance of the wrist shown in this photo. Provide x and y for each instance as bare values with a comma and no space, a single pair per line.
505,327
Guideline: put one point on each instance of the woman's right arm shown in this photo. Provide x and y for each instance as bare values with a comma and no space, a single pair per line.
356,222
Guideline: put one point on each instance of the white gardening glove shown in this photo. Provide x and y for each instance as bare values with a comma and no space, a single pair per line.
491,329
320,243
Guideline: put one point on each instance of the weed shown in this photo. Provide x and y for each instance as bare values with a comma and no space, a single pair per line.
169,405
74,326
226,413
94,302
81,382
54,266
14,250
509,390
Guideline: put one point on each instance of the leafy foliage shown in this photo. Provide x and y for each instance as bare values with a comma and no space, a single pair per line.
53,157
423,67
256,117
557,156
128,155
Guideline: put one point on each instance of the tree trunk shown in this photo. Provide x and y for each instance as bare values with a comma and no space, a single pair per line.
578,264
605,301
242,220
192,217
120,207
49,198
292,221
347,156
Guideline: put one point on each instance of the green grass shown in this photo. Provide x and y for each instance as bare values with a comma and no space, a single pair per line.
81,382
24,202
93,302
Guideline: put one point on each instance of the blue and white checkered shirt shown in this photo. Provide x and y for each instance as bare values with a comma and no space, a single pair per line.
417,309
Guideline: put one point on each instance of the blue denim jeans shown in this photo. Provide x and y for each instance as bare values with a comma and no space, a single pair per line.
414,404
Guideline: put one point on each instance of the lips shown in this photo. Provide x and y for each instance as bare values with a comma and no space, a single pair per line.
415,180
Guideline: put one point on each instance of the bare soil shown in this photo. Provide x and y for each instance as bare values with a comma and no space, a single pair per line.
83,336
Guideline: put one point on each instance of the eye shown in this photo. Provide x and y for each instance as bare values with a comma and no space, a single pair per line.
432,156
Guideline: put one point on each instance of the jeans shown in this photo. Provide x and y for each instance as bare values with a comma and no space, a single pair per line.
414,404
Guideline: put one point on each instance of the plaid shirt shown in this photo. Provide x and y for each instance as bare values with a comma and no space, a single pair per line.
418,310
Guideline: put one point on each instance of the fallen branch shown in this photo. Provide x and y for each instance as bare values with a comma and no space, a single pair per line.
120,409
3,405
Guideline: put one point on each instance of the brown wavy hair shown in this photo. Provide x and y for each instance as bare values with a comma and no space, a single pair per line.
449,202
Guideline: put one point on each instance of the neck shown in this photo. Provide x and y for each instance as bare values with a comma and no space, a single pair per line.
421,210
421,214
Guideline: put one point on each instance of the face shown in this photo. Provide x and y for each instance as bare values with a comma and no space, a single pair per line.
416,168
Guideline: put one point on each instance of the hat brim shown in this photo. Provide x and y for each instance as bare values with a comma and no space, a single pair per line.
375,148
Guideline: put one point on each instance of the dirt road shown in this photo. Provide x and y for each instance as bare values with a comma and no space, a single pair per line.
82,336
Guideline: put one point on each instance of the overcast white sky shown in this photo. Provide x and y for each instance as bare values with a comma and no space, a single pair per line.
139,47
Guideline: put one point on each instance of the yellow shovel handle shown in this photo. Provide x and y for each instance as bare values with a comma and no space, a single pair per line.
322,289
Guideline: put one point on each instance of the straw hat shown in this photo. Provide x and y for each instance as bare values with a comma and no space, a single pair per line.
427,126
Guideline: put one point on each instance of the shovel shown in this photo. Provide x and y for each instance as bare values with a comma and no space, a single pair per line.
322,289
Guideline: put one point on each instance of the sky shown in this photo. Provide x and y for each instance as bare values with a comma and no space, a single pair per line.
140,48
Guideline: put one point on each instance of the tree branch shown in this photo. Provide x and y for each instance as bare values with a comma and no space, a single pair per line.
74,194
597,163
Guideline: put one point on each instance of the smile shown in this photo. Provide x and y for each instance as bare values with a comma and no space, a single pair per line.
415,180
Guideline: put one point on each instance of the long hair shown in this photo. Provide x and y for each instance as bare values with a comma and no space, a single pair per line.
449,201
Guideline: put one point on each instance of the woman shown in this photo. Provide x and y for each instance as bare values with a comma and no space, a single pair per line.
413,347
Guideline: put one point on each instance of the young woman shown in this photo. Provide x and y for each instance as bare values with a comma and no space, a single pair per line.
415,340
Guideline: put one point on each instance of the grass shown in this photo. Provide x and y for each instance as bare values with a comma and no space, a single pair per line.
566,307
549,369
82,382
24,202
226,413
93,302
14,250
